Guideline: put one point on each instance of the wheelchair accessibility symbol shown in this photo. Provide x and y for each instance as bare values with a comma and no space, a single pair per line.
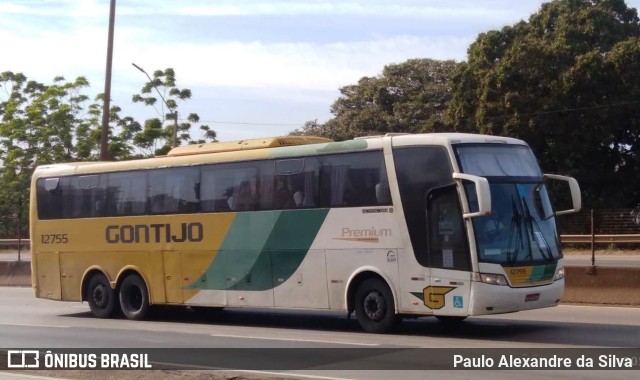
457,302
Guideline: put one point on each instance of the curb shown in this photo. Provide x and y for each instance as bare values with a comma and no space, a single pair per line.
614,286
15,273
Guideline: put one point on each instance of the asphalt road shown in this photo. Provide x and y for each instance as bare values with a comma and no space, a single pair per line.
27,322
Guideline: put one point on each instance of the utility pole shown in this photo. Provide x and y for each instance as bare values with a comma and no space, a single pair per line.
104,136
175,113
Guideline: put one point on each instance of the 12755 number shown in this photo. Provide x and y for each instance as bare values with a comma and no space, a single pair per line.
54,239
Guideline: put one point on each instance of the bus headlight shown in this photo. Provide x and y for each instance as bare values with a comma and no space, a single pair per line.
559,274
493,279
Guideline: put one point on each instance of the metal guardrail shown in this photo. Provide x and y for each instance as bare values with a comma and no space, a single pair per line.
14,242
600,239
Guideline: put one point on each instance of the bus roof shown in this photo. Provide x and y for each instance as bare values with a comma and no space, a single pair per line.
232,146
404,139
265,148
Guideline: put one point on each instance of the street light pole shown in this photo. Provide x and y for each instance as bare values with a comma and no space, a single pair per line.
104,135
175,113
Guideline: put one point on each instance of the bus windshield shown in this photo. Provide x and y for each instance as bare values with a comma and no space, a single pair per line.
521,229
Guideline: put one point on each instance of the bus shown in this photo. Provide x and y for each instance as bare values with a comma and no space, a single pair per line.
402,225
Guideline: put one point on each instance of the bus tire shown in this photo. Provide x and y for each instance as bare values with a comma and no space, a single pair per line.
101,298
374,306
134,297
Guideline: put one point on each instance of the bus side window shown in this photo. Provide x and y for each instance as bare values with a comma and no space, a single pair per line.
174,190
86,193
126,194
350,179
419,169
383,193
306,184
51,193
282,197
286,173
208,201
245,199
228,187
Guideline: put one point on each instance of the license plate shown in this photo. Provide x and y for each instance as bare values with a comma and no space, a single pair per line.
532,297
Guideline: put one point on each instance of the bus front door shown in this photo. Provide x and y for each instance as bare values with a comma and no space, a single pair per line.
449,259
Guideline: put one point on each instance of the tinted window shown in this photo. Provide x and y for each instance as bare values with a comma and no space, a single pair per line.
86,197
353,180
419,170
340,180
229,187
126,193
296,183
174,190
51,197
488,160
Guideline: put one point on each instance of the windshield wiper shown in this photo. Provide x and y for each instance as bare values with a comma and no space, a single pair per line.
536,234
515,241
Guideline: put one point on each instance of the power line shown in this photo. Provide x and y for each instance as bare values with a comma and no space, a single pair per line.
248,123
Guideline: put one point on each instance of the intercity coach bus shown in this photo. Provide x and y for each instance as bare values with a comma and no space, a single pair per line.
401,225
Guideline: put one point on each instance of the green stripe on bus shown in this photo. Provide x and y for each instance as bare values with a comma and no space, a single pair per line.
314,149
543,272
262,250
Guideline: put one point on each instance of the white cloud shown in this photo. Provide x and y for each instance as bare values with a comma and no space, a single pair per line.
202,8
298,65
406,8
79,48
46,38
55,8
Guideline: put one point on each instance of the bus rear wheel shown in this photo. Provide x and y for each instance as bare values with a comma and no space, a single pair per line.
134,297
374,306
101,298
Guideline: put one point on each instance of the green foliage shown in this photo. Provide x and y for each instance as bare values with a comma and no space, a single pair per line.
566,82
156,137
407,97
37,126
42,124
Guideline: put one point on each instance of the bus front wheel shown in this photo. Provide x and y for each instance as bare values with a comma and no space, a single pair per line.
134,297
101,298
374,306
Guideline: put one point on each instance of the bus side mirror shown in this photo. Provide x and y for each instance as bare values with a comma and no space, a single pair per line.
482,192
574,188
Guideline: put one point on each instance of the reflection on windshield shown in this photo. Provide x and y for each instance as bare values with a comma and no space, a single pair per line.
521,228
488,160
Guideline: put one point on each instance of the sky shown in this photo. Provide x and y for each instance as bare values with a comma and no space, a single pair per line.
256,68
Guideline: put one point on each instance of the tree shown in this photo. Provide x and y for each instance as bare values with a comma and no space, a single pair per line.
43,124
567,82
37,126
407,97
156,135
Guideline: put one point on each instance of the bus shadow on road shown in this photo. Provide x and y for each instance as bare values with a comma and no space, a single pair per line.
478,328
